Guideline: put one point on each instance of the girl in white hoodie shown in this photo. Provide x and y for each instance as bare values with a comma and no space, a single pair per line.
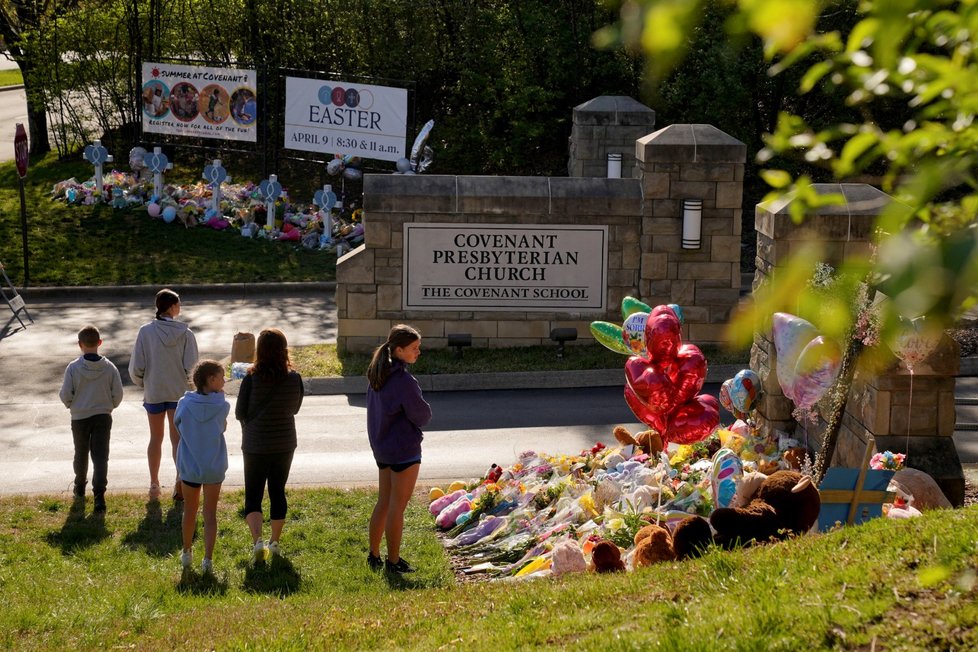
202,456
164,353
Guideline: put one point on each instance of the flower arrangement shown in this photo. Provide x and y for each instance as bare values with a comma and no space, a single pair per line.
887,461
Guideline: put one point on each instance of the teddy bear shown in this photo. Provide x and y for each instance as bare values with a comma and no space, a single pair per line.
606,557
786,503
649,441
654,543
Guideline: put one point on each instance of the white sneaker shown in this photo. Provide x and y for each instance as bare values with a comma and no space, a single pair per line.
273,548
206,566
259,552
187,558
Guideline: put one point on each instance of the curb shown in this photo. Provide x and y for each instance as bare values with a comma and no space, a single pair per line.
17,87
43,293
326,386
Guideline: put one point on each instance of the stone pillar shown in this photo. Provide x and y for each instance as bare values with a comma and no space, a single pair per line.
692,162
842,230
607,124
880,402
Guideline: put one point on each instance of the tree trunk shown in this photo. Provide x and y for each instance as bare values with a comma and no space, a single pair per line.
37,115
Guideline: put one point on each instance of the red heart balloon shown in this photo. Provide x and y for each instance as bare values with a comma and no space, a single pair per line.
694,420
651,385
690,372
654,420
662,335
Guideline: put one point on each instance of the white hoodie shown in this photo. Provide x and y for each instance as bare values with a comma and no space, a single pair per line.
164,354
91,387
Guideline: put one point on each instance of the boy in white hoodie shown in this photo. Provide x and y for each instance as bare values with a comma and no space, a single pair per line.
92,388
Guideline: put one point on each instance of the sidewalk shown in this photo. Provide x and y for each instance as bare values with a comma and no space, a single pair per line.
306,312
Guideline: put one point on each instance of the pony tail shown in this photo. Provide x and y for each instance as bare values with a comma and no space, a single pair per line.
380,366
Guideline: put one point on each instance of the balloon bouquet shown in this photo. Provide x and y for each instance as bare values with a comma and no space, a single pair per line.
808,363
663,376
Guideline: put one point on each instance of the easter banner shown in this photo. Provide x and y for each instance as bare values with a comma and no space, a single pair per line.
336,117
200,102
519,266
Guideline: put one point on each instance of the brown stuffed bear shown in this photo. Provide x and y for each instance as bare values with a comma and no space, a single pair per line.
606,557
654,543
786,504
649,441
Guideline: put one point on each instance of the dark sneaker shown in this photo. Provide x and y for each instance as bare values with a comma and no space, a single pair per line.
99,504
374,561
78,491
400,567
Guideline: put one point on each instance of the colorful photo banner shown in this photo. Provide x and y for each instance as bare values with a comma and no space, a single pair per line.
200,102
336,117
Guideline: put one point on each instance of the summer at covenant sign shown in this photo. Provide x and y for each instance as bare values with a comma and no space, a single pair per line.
505,267
199,101
335,117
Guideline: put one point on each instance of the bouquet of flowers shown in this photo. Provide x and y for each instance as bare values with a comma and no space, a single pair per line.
887,461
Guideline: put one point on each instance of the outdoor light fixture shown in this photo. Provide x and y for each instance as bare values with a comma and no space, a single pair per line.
561,336
614,165
692,223
459,340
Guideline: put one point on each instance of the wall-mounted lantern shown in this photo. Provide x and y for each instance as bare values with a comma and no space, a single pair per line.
692,223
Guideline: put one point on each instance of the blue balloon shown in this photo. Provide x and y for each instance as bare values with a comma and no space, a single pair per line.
676,308
169,214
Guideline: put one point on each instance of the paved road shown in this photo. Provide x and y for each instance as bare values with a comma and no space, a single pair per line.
470,430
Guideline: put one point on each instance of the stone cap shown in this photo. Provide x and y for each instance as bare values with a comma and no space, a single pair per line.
690,143
614,110
489,194
860,199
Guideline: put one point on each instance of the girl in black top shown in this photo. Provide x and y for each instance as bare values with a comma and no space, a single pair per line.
268,400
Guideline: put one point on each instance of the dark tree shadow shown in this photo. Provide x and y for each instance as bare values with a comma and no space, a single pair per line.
276,576
78,531
194,583
157,535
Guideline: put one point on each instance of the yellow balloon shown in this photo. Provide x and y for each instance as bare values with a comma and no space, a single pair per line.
455,486
435,493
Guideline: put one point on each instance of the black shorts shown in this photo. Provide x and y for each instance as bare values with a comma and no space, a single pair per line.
397,468
194,485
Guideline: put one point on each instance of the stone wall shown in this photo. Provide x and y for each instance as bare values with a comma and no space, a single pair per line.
605,125
880,403
692,162
644,220
369,279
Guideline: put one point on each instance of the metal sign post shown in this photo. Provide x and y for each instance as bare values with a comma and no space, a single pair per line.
22,159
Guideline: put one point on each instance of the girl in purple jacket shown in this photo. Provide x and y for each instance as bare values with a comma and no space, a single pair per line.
396,412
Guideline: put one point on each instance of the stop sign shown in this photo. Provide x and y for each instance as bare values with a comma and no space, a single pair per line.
20,150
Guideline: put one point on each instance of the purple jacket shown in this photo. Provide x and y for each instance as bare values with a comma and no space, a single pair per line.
395,415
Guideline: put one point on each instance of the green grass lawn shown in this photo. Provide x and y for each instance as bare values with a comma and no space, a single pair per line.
71,581
99,245
11,77
323,360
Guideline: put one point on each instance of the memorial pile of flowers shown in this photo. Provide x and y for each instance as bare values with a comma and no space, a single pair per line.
242,209
509,523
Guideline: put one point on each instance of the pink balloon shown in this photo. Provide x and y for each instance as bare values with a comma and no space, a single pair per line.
694,420
690,372
791,335
652,419
662,334
153,209
816,371
650,384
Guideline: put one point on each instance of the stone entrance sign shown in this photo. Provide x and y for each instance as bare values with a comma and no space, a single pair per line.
511,266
